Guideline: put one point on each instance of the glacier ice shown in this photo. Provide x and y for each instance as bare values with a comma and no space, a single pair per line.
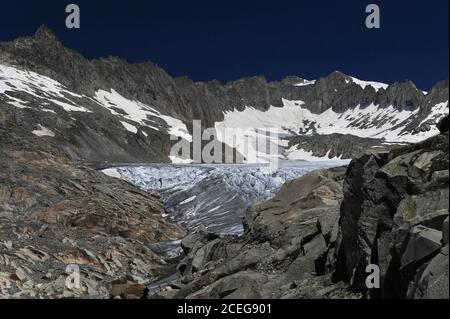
214,195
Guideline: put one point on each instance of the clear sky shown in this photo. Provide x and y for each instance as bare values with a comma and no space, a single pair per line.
226,40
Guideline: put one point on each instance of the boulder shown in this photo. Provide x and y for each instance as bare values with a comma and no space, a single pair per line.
126,289
392,215
433,282
200,237
296,209
360,216
310,261
423,242
423,206
242,285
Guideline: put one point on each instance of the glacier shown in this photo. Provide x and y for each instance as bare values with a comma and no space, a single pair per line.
215,196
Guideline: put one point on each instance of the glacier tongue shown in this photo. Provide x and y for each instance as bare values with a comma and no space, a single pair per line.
214,195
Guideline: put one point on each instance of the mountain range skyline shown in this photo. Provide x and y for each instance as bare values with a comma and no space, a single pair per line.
337,116
206,42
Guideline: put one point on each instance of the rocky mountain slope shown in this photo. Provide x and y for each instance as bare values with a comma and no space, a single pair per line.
317,236
54,213
110,110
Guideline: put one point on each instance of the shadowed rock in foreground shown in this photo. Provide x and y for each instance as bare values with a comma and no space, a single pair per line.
393,215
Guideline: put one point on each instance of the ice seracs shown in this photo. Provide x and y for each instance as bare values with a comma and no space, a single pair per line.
214,195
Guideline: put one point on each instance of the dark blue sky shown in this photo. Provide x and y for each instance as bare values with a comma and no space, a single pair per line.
226,40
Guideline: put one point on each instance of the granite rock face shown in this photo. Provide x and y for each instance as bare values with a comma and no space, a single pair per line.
393,214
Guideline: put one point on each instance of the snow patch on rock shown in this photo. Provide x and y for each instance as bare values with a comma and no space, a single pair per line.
39,86
306,82
141,113
297,153
376,85
130,128
294,119
43,131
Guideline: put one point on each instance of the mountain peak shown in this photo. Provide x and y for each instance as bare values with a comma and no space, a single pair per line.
340,75
293,80
45,33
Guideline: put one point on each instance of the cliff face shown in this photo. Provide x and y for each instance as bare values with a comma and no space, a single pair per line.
395,214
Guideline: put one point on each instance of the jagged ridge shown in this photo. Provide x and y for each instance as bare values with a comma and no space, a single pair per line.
184,99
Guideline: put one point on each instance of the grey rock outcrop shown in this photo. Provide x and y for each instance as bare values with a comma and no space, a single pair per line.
432,281
393,215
